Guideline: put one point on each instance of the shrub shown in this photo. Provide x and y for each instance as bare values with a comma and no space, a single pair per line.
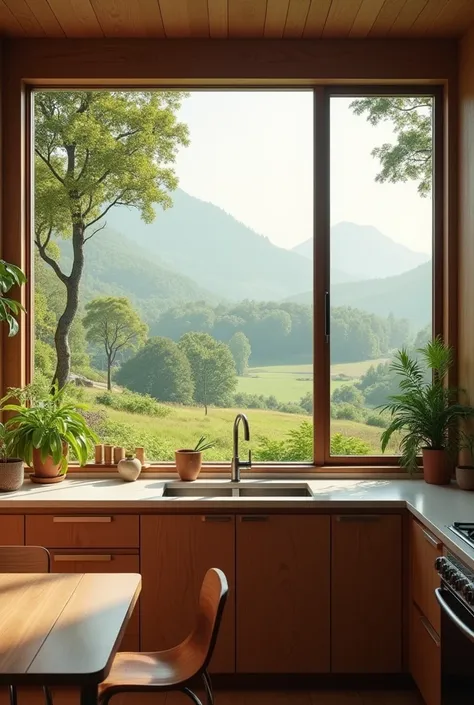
122,434
378,420
348,412
348,445
306,402
134,403
349,394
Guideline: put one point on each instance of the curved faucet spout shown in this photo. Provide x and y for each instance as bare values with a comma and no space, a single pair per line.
236,462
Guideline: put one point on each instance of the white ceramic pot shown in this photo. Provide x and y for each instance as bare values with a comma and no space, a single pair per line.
465,477
129,468
11,475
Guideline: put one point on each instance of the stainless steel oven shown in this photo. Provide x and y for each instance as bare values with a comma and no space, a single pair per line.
456,600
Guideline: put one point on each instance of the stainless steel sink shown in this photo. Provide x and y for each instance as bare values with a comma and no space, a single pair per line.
208,491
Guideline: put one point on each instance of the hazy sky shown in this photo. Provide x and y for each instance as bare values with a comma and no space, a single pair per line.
251,153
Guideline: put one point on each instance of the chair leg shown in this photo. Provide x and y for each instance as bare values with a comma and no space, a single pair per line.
193,696
12,693
47,695
208,688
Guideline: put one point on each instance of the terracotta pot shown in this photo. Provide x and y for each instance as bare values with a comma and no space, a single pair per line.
437,468
188,464
12,474
465,477
46,468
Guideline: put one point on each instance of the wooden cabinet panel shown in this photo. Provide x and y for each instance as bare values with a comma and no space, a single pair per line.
425,657
283,586
95,562
176,552
12,530
82,531
366,604
425,549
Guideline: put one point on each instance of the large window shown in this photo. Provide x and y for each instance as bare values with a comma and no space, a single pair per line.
177,263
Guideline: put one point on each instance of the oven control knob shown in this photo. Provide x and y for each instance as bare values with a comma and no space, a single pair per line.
448,570
468,593
461,583
454,577
440,563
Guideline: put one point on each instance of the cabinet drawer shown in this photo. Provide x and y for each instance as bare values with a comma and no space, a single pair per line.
76,531
12,529
102,562
425,657
425,549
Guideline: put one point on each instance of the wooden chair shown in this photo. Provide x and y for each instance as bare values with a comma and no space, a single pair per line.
175,668
25,559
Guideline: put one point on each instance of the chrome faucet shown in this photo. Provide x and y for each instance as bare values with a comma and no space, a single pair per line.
236,462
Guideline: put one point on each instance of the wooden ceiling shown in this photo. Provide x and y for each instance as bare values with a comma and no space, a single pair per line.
235,18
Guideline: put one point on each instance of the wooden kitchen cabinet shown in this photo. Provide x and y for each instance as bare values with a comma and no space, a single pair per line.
283,594
83,531
12,529
176,551
366,604
425,657
425,549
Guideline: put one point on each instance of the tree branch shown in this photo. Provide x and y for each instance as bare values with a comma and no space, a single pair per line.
111,205
84,166
50,167
49,260
95,231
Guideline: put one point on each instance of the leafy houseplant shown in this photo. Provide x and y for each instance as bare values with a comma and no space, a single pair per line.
42,431
189,461
426,412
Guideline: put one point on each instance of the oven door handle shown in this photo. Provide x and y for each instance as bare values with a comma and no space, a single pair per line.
452,615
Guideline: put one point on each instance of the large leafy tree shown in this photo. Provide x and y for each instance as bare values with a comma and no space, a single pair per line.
212,367
240,348
95,150
409,158
113,323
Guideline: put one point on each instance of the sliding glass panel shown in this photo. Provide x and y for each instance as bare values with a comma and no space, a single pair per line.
380,256
181,226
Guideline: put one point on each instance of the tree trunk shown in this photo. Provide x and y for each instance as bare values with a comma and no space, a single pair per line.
109,373
61,337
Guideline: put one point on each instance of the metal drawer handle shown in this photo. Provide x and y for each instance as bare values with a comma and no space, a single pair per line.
254,517
82,520
357,518
430,630
215,518
89,557
431,539
453,616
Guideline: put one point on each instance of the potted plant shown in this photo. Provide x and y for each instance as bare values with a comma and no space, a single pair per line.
11,469
426,411
189,461
465,471
42,431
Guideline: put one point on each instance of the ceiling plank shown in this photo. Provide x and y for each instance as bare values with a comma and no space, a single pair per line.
218,19
365,18
454,18
341,16
185,18
275,18
25,17
77,18
9,25
427,17
386,17
122,18
296,19
407,16
316,19
46,17
247,18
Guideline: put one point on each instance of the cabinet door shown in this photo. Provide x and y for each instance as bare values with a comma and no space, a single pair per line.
176,552
283,584
12,528
425,657
366,606
425,549
103,562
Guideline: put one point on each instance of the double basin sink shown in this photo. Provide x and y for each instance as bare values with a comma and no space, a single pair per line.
210,490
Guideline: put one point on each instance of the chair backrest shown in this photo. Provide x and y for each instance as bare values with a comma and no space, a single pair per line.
24,559
212,599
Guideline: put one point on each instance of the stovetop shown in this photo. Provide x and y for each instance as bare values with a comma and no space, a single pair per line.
465,530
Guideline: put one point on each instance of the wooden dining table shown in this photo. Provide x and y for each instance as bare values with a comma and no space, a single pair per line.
63,629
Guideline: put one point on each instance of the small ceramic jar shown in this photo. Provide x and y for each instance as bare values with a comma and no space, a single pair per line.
129,468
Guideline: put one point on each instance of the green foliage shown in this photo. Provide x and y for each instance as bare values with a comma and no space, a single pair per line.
160,369
133,403
306,402
123,434
212,367
45,358
201,446
47,425
240,348
410,157
344,410
349,394
348,445
426,413
378,420
10,276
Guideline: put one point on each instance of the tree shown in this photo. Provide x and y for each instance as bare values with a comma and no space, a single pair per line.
95,150
349,394
212,366
111,321
159,369
240,348
410,158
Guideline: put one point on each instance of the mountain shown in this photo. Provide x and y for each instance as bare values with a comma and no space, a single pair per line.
351,244
119,267
406,295
203,242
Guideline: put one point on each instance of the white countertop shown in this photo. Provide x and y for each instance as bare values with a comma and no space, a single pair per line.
436,507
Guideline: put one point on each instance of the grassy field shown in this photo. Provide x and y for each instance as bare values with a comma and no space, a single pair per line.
291,382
